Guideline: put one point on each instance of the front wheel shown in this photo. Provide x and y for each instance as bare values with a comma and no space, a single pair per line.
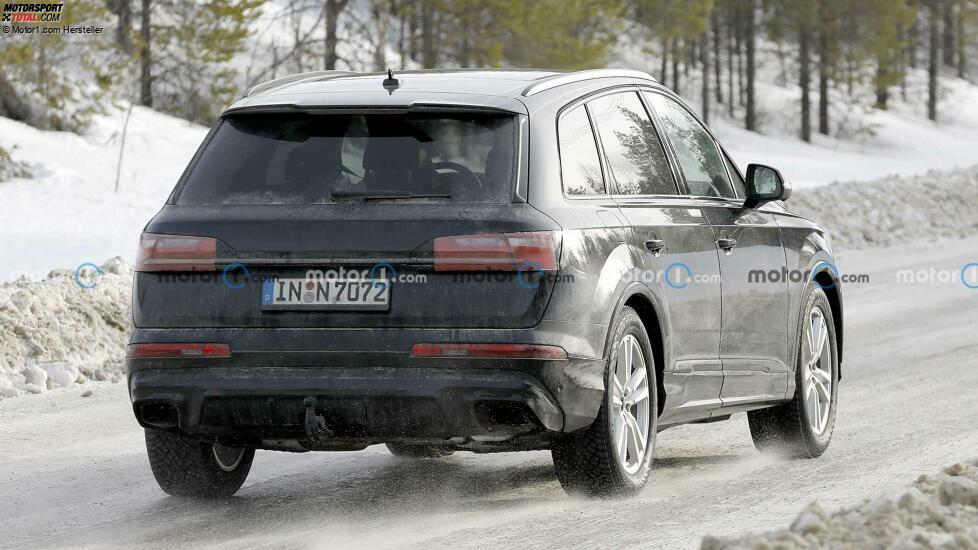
613,457
187,467
802,428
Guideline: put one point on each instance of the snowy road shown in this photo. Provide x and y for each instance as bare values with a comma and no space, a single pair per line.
73,470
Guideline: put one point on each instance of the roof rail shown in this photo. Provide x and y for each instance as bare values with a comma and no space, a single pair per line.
292,78
579,76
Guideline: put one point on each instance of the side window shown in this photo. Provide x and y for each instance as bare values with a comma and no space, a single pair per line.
579,165
635,155
699,157
738,181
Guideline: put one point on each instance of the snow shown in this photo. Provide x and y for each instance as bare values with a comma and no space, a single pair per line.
69,213
892,210
937,511
55,333
903,141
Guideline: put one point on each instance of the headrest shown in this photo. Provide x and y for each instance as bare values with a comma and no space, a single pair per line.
312,161
392,153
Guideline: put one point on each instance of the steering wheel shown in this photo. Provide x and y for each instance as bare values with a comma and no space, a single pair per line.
457,168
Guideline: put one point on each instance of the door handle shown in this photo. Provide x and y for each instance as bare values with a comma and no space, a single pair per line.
726,244
655,246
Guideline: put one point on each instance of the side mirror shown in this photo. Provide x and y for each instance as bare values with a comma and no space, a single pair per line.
765,184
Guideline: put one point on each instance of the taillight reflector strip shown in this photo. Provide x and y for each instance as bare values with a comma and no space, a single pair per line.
497,351
175,253
527,251
179,350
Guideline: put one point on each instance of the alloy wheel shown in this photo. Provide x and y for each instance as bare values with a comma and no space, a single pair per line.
630,405
817,374
228,458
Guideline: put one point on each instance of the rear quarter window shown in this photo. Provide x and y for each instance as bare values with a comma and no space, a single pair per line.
580,169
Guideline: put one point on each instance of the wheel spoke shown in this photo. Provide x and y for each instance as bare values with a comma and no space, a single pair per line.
621,369
821,390
811,400
621,435
637,396
618,392
636,379
636,440
818,334
821,376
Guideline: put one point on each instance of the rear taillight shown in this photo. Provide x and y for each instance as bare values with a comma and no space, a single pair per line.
178,350
175,253
496,351
532,251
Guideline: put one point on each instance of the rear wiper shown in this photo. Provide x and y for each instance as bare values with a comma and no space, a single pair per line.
386,195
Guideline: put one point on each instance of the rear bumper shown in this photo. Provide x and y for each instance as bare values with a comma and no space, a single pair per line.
369,404
261,398
366,385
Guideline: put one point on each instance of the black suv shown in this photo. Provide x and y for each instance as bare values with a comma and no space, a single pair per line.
474,260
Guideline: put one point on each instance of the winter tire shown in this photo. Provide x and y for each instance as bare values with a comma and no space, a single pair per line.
613,457
187,467
802,428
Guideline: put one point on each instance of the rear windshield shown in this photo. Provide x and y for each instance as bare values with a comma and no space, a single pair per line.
314,159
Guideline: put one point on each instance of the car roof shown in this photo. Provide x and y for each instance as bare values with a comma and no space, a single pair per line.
498,89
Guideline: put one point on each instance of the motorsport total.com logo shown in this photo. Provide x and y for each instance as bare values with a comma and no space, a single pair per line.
32,12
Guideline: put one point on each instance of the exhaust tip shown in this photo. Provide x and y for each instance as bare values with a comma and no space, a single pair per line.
159,414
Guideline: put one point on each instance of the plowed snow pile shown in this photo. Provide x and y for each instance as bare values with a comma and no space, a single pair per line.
56,332
938,511
894,210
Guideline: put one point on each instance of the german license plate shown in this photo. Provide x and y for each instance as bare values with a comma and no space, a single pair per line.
326,294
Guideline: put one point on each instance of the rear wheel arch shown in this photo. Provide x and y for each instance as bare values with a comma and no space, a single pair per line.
642,303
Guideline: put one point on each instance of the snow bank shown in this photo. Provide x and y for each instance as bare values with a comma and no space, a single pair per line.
937,511
56,332
69,213
894,209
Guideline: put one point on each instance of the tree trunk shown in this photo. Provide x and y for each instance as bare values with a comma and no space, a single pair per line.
933,60
704,49
914,42
739,46
664,66
333,9
804,80
731,100
959,34
413,30
882,91
145,62
948,47
428,60
11,104
823,70
750,116
381,20
123,30
675,65
717,65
